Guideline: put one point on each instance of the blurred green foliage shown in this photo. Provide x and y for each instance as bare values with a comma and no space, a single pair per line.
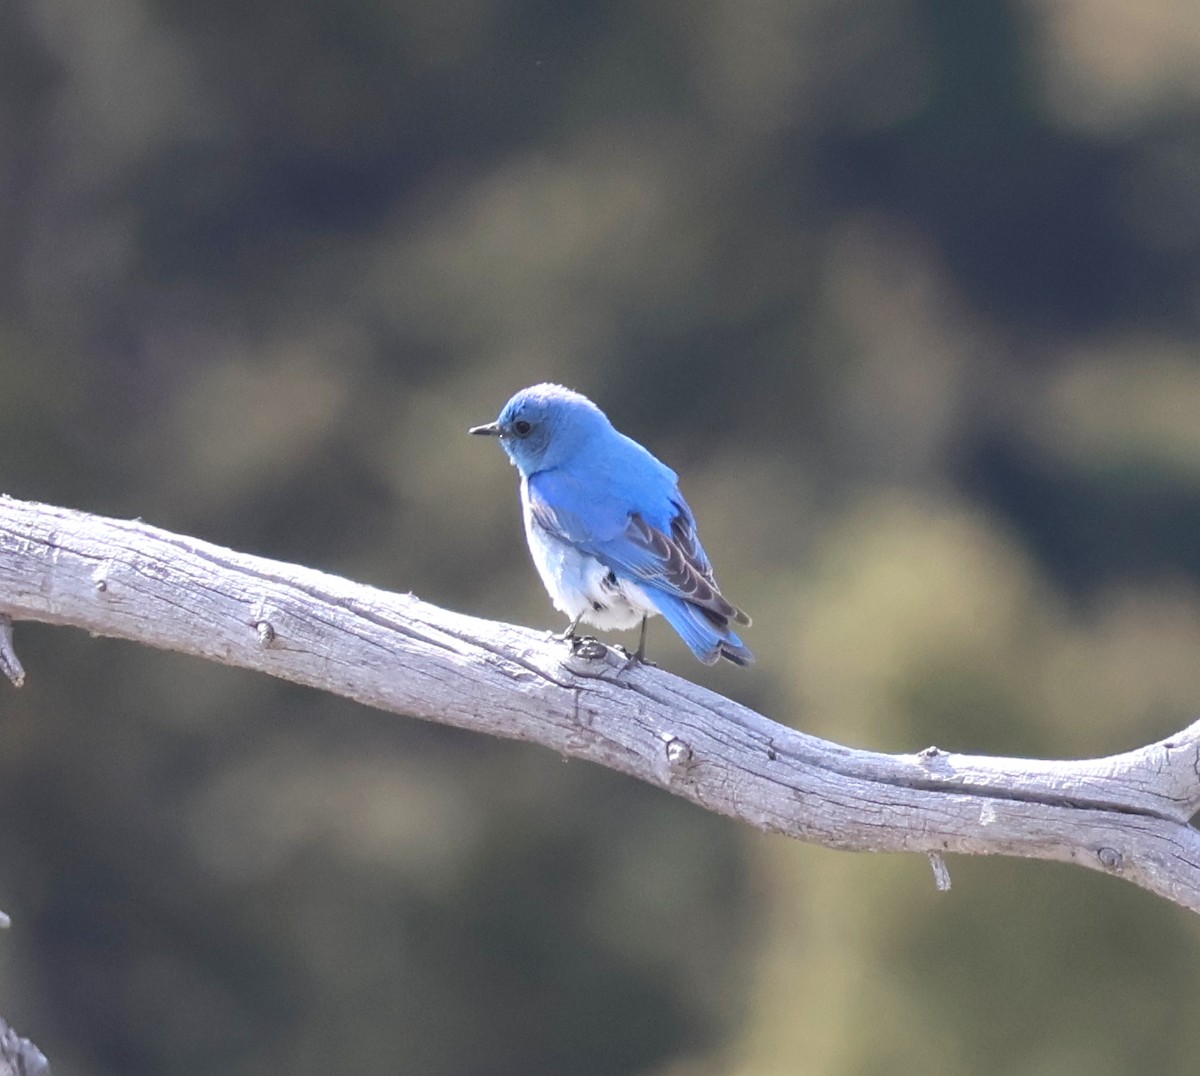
908,292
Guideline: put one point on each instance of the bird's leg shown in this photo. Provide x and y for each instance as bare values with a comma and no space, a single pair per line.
568,636
583,646
638,657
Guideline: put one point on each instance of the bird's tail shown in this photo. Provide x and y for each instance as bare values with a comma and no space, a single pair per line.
706,633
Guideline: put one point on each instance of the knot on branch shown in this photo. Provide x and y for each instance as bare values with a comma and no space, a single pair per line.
588,648
262,617
100,578
678,756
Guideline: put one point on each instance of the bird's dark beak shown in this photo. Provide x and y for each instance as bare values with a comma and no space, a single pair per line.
491,429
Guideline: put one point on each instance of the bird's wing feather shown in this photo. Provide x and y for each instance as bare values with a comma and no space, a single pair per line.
655,545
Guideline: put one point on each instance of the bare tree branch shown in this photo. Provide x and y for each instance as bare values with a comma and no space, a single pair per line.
1126,815
18,1056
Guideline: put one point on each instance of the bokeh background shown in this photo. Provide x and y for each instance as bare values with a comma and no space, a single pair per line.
907,291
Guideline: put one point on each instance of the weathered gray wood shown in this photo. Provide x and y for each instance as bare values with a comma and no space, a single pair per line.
18,1056
1125,815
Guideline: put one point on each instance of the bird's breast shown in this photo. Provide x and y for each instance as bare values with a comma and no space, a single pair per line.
581,585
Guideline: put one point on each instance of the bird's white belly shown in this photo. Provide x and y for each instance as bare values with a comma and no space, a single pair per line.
580,586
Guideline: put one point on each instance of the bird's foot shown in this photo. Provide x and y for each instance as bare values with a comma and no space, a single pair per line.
637,657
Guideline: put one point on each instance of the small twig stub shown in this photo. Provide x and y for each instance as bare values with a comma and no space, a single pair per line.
10,664
941,873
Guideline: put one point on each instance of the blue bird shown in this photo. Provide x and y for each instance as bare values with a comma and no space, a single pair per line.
609,532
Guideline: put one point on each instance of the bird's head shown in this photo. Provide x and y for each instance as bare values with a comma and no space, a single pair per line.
543,426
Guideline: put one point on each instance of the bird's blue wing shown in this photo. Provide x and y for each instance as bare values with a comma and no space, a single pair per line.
653,542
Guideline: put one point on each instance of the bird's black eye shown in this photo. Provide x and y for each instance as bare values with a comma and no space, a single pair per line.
521,428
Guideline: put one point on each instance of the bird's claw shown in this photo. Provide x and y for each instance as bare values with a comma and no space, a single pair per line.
632,660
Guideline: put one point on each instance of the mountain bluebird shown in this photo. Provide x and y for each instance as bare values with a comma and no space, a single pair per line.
611,535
